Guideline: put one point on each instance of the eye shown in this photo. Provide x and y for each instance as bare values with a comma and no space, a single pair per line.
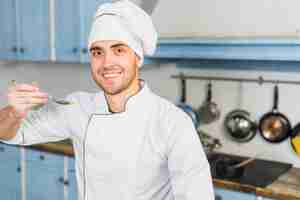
96,53
120,50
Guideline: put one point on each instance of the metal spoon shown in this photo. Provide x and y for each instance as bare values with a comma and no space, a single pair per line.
60,101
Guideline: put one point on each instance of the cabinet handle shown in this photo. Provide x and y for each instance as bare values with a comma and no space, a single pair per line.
22,50
14,49
84,50
63,181
42,157
75,50
218,197
19,169
2,149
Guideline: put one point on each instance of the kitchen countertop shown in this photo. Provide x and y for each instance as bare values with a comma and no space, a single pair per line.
286,187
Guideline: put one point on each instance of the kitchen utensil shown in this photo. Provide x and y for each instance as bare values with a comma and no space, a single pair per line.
58,101
208,111
275,126
295,139
259,173
209,143
224,168
233,168
244,163
184,106
239,124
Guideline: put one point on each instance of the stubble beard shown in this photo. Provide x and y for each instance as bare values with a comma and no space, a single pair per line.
115,91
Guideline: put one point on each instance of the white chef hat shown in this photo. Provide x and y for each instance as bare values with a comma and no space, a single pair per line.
126,22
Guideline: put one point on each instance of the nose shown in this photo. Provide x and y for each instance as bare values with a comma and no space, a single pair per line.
108,58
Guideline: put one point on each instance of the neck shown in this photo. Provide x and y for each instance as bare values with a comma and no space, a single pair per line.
117,102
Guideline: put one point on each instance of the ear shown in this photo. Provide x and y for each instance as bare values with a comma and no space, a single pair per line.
138,61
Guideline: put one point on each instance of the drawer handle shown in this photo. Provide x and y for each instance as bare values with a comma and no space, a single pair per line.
14,49
63,181
75,50
19,169
22,50
42,157
84,50
2,149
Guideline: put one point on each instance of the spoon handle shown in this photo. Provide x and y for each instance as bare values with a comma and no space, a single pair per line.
245,162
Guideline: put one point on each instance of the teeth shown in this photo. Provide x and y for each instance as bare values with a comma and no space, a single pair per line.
111,75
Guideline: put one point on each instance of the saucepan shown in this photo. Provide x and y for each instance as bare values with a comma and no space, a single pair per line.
186,107
239,123
275,126
209,110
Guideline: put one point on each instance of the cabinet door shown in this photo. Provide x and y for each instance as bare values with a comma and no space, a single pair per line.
8,37
67,30
72,189
44,176
9,153
33,29
10,181
88,10
230,195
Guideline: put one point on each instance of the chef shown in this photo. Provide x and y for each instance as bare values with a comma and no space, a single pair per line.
129,143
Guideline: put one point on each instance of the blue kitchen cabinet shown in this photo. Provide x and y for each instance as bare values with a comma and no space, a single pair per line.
73,19
67,30
24,30
230,195
10,187
8,41
44,176
33,30
88,9
10,182
9,154
72,186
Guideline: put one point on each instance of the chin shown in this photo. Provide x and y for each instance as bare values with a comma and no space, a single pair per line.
113,91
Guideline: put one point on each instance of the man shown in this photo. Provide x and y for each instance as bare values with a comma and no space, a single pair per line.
129,143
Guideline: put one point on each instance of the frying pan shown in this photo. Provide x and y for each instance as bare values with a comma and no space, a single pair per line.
275,126
295,139
185,107
239,124
208,111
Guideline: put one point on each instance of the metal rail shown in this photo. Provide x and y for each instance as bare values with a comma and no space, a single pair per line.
260,80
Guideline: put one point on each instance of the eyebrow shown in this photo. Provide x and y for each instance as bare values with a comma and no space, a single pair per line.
112,46
118,45
95,48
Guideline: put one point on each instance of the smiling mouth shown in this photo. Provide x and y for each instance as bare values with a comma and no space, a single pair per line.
111,75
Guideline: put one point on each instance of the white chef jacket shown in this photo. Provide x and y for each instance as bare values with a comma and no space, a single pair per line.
150,151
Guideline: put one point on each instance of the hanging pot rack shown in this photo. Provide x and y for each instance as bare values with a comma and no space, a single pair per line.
260,80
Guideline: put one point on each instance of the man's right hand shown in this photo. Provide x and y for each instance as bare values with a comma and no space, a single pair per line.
23,97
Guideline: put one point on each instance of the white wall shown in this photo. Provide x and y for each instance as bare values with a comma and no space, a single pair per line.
61,79
236,18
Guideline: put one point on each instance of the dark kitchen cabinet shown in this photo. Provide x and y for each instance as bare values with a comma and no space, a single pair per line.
24,30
